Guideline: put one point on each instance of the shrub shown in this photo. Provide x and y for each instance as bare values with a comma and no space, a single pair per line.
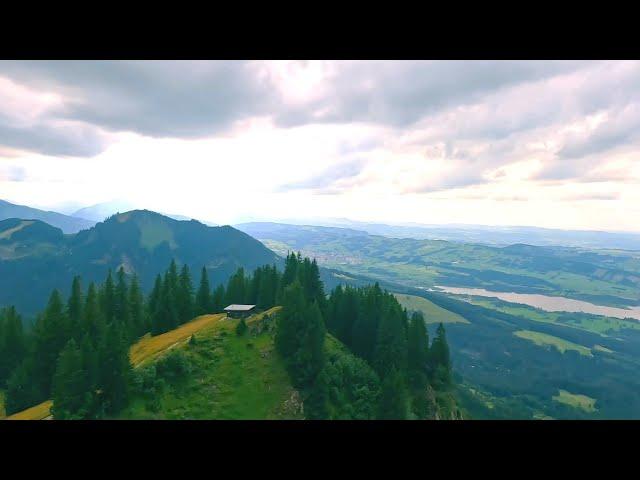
241,328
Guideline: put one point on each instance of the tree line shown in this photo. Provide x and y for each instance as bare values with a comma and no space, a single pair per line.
77,351
399,367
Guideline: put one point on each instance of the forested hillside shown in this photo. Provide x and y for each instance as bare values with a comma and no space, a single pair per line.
77,353
35,258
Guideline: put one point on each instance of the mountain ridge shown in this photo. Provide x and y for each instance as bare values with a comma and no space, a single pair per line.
67,223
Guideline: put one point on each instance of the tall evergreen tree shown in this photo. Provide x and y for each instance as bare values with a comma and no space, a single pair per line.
51,334
13,342
75,307
185,295
204,302
122,312
115,369
22,391
418,351
440,359
218,299
139,321
391,347
93,323
108,299
153,306
393,397
290,320
70,385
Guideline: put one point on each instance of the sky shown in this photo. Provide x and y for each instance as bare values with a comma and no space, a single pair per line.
543,143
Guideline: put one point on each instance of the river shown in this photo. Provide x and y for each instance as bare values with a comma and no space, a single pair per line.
548,303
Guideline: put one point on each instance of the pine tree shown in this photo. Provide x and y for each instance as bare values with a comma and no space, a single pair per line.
75,308
115,369
290,321
93,323
440,360
204,302
418,351
185,295
13,346
108,299
22,391
153,306
391,347
122,313
51,334
70,384
393,397
365,328
236,288
290,270
218,299
139,321
316,405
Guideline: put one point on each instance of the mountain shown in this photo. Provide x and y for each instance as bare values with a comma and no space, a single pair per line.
68,224
35,258
488,234
101,211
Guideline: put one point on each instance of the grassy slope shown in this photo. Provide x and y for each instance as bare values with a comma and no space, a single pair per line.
145,349
432,312
576,400
232,377
543,340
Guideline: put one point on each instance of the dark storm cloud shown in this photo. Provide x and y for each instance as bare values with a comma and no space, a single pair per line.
194,99
460,102
161,99
400,93
58,140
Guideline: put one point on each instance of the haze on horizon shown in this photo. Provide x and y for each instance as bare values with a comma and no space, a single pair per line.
544,143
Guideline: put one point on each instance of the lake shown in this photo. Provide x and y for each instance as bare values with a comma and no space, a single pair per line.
548,303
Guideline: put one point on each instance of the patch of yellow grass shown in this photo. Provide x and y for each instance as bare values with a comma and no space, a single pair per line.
576,400
147,348
543,339
39,412
432,313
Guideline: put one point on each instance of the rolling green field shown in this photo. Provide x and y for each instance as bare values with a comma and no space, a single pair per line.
230,377
591,323
432,312
576,400
543,340
607,277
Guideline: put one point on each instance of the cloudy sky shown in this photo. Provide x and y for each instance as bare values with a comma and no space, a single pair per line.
553,144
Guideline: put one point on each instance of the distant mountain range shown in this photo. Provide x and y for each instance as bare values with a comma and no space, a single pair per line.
66,223
36,257
486,234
